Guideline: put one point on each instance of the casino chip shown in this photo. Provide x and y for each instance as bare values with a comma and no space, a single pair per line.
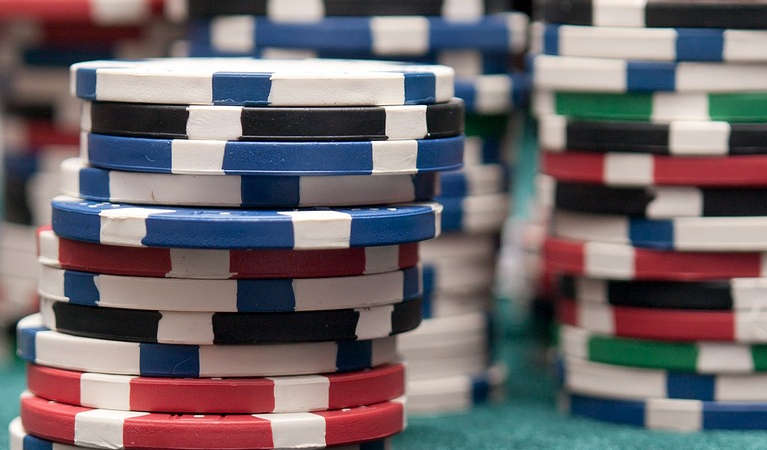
651,120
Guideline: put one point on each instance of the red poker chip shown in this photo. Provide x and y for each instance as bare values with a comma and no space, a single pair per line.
99,12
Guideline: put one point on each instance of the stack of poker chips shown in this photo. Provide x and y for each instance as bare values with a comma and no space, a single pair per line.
450,366
652,128
39,40
235,250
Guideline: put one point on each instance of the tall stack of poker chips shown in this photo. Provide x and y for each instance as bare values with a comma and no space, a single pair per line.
38,41
652,126
450,364
235,253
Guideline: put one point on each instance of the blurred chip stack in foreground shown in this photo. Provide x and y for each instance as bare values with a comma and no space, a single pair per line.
653,117
39,40
450,364
235,250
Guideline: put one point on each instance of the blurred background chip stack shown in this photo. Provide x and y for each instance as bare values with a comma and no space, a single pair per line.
234,253
451,366
652,123
39,40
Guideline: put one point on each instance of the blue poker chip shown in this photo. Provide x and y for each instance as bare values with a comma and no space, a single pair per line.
200,157
308,228
392,36
475,180
91,183
260,82
670,414
493,94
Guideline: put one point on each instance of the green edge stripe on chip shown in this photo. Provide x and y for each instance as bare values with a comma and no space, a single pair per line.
487,125
751,106
632,352
600,105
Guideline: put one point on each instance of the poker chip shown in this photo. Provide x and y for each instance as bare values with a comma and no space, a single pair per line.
245,123
742,14
136,430
218,395
683,233
493,94
650,44
459,246
670,414
377,35
660,202
693,357
568,73
318,228
654,107
464,277
206,328
633,169
664,324
242,295
438,304
261,191
625,262
39,345
254,82
677,138
100,12
483,150
474,214
454,394
209,157
605,380
220,265
737,294
476,180
30,134
280,11
20,440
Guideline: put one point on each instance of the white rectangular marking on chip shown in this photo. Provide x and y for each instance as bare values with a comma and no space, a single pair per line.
199,263
675,106
472,151
296,430
711,233
102,427
552,132
517,25
100,356
699,137
126,226
98,390
86,122
716,357
295,10
294,90
742,45
301,393
492,94
346,292
406,122
355,189
399,35
233,34
384,350
194,326
461,10
381,259
614,381
707,77
627,169
163,189
574,341
602,259
395,156
626,13
739,388
676,202
616,42
243,361
200,157
115,12
214,122
374,322
119,291
320,229
49,247
763,264
749,325
673,415
564,73
466,63
117,85
52,282
585,226
591,290
596,318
